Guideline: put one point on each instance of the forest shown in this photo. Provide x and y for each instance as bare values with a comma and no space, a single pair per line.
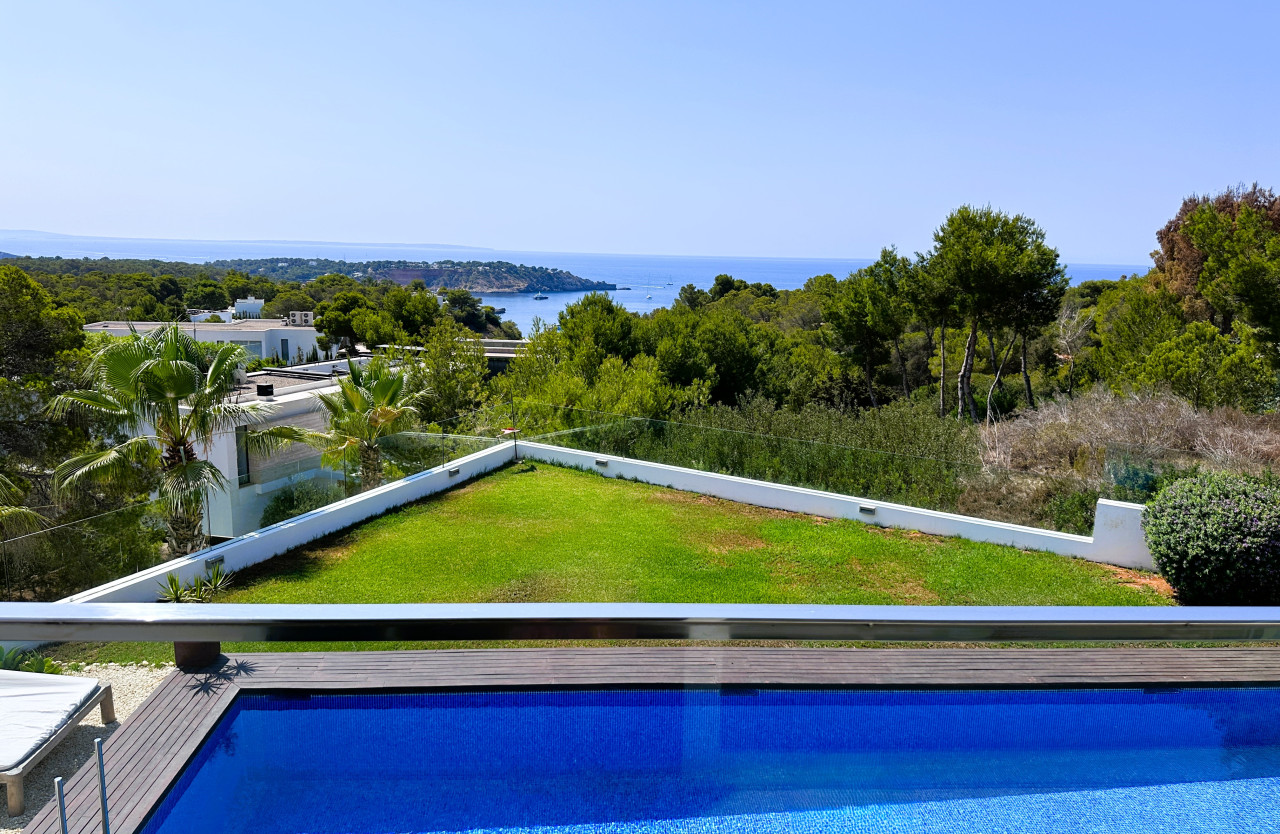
476,276
366,309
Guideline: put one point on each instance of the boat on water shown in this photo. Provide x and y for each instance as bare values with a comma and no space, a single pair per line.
620,289
541,297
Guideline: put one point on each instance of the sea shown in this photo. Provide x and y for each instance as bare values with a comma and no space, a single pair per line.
651,281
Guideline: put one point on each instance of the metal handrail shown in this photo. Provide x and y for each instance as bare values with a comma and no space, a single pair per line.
156,622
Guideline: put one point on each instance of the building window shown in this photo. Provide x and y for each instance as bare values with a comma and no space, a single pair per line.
242,455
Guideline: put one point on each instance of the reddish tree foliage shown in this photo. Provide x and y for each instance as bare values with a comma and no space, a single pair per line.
1178,262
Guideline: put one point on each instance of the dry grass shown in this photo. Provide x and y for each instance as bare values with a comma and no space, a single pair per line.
1072,436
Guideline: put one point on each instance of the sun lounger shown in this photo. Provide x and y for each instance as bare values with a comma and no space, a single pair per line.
37,712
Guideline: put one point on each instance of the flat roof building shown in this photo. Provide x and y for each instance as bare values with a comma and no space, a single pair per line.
264,338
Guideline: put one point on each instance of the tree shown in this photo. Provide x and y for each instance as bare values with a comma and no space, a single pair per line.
1001,271
371,405
289,301
692,297
172,395
414,312
868,314
1073,332
465,309
595,328
33,330
208,295
335,319
376,327
1240,275
1187,244
1131,319
453,367
1209,369
930,295
1034,298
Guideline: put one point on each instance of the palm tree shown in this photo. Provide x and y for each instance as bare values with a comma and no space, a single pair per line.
369,408
172,395
14,517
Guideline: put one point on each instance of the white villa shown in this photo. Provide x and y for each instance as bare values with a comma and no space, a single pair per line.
261,337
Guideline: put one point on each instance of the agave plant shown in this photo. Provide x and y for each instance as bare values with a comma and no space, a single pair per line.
172,395
25,660
207,587
369,408
201,589
172,590
11,660
40,665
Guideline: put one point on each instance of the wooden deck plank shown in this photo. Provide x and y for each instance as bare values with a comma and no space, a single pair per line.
147,754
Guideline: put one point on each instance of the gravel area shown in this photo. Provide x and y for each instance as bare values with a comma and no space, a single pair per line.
130,686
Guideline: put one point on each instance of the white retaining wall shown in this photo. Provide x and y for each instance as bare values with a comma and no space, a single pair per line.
260,545
1117,530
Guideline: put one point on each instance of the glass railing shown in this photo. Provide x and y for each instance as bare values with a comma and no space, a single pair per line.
74,554
933,465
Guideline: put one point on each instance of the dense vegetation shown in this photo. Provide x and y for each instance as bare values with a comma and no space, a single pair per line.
137,290
968,378
44,353
1107,389
479,276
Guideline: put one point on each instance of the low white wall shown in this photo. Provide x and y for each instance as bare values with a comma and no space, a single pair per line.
261,545
1117,531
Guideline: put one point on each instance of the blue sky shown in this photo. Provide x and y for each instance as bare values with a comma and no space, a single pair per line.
770,129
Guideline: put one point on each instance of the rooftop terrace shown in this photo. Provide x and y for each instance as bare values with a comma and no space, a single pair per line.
540,533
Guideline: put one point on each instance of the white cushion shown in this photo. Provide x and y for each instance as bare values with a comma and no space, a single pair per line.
33,707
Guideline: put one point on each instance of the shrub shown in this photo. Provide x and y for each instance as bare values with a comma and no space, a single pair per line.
1073,511
901,453
298,499
1216,538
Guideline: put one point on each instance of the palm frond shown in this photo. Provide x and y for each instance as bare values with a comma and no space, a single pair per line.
107,466
266,441
183,485
19,521
225,414
169,378
220,378
113,366
96,402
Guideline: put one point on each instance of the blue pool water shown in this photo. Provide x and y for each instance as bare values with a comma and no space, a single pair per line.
707,760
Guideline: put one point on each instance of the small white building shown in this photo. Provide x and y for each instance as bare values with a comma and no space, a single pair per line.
264,338
205,315
249,308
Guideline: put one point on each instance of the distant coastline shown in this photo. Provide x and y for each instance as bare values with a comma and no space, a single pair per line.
655,280
473,276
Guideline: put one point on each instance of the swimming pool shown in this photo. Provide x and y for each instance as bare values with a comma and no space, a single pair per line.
655,761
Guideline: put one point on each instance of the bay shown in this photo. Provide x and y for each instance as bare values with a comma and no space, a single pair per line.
653,280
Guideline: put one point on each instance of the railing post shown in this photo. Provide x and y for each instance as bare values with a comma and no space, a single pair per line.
189,655
102,786
62,804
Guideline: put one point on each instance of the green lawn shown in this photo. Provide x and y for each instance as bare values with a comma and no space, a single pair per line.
545,534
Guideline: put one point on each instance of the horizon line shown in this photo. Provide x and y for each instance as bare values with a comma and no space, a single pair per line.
268,241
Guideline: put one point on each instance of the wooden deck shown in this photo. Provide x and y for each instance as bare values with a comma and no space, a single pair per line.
155,743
